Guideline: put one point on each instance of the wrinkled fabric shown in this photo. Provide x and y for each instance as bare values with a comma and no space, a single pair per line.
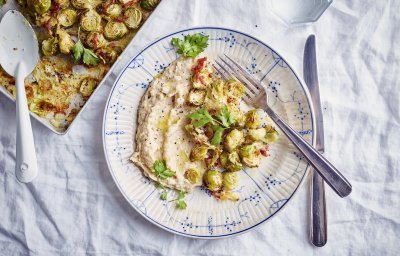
74,207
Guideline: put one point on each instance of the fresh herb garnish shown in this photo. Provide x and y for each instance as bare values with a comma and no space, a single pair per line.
217,138
161,170
223,120
79,51
191,45
163,195
202,117
180,203
225,117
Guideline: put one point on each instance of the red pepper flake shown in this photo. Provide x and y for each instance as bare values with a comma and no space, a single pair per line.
201,79
130,4
55,9
120,19
197,69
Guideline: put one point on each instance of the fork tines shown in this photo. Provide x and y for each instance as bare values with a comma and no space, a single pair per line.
231,69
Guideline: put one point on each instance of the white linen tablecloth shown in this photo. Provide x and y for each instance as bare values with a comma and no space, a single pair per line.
74,207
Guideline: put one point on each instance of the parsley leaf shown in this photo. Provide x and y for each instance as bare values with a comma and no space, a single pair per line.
161,170
180,203
225,117
191,45
202,117
89,57
163,195
78,49
217,138
181,195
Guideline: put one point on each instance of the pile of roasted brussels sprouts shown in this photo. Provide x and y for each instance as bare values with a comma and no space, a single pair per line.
100,24
227,138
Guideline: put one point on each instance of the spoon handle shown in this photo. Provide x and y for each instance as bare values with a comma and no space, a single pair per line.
26,167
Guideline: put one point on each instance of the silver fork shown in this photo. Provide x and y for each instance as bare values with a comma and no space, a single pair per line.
256,96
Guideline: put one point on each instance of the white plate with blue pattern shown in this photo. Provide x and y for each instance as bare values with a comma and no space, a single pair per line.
263,191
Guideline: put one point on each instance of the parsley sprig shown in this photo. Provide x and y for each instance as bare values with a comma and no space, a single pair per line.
191,45
163,195
80,52
180,203
222,120
160,170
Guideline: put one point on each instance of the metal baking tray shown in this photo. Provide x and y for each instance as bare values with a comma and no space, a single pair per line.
12,5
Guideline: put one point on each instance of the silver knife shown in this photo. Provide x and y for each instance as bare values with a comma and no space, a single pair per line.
318,222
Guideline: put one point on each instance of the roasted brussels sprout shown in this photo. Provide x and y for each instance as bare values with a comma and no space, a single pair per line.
49,46
115,30
110,9
229,180
82,4
65,41
233,140
213,180
216,97
192,175
271,134
133,17
67,17
198,134
228,195
95,40
251,154
107,54
124,1
256,134
231,161
196,97
87,86
253,119
39,6
90,21
235,89
199,152
63,3
215,153
149,5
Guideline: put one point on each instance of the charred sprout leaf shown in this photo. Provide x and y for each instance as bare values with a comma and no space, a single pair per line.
161,170
225,117
191,45
90,58
163,195
217,138
78,50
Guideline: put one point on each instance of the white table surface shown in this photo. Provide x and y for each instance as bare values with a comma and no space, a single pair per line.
74,207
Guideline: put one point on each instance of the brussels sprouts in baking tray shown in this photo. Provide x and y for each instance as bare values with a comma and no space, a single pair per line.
79,42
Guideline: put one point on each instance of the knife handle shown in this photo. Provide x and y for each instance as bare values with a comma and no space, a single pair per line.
327,171
318,221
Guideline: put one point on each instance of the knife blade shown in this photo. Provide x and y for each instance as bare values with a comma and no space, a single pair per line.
318,219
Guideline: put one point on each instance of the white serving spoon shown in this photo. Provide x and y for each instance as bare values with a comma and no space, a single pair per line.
19,54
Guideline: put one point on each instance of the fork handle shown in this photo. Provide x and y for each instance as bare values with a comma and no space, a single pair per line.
327,171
